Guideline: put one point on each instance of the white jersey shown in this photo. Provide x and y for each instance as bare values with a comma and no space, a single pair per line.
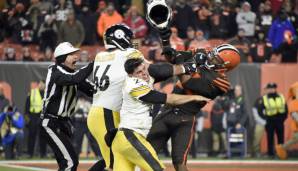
109,75
134,113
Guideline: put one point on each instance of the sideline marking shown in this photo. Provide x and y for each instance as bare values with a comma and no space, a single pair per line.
24,167
255,162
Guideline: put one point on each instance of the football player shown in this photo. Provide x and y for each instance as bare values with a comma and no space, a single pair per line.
178,122
109,76
130,146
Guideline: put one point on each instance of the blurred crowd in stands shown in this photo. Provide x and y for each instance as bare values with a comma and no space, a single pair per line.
263,30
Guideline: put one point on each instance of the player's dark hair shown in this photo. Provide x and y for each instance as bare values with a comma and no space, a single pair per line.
131,64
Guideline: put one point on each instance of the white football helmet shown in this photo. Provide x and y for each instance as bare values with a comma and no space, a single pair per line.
158,14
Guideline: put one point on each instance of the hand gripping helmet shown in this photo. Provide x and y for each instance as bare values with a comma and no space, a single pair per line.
224,56
118,36
158,13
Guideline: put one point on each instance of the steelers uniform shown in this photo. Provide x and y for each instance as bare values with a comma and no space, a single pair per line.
109,75
130,146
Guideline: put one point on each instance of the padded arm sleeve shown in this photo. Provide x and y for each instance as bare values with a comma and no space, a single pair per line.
161,71
154,97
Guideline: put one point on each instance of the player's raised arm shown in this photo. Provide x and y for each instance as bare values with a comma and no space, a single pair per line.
163,71
159,16
139,86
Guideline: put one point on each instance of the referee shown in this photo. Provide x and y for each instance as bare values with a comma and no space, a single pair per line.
59,103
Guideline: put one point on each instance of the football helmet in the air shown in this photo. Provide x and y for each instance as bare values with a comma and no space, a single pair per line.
159,13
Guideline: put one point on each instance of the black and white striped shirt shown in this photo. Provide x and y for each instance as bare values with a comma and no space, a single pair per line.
62,84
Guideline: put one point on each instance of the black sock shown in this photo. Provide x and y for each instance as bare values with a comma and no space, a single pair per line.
98,166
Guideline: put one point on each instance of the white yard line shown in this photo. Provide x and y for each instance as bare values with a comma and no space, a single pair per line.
24,167
254,162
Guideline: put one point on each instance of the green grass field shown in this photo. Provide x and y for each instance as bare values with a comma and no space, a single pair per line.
3,168
193,165
199,164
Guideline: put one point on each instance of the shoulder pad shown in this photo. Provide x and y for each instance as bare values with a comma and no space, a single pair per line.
135,54
99,54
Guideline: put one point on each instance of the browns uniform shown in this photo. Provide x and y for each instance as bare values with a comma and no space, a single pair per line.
178,123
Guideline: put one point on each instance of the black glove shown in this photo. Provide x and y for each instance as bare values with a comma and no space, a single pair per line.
165,35
190,67
169,53
200,57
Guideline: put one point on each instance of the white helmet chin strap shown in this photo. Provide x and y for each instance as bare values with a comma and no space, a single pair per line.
213,54
107,46
126,40
209,55
208,65
120,47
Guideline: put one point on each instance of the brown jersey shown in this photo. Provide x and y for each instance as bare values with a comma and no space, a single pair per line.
208,83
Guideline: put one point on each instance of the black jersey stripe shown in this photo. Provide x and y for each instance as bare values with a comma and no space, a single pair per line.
109,120
143,151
